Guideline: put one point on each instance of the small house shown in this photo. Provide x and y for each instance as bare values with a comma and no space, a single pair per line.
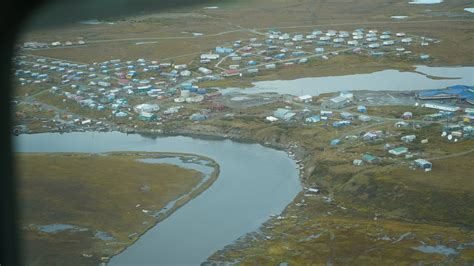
270,66
347,94
346,115
377,54
452,127
369,158
357,162
304,98
335,142
326,113
121,114
353,42
271,119
373,45
313,119
145,116
197,117
423,164
361,109
149,108
468,130
424,57
231,72
407,115
401,124
303,60
434,117
224,50
372,135
336,102
283,114
252,70
280,56
319,50
408,138
365,118
341,123
398,151
205,71
407,40
210,56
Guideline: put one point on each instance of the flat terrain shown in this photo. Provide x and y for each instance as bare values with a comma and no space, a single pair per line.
389,213
168,36
96,192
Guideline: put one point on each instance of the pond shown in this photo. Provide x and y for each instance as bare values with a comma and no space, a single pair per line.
388,80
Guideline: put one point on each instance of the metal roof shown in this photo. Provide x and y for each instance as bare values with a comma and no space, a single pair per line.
457,91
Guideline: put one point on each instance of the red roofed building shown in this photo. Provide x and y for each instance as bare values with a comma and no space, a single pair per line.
123,81
217,107
231,72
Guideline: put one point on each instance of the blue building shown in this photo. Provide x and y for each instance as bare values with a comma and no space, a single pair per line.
460,92
424,57
298,53
223,50
186,86
362,109
335,142
279,56
341,123
313,119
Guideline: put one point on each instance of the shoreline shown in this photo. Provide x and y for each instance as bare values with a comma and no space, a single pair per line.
182,200
210,136
179,201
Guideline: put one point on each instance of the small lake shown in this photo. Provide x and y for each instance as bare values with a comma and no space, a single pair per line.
388,80
254,182
438,249
426,2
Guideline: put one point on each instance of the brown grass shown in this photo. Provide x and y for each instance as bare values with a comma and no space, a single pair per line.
92,191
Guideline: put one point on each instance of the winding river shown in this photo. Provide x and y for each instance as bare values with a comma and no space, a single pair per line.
254,182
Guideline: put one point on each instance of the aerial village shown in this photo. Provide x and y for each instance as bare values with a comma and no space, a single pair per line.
146,95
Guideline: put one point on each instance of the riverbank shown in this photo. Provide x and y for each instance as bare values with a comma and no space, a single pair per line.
70,208
357,206
181,201
370,195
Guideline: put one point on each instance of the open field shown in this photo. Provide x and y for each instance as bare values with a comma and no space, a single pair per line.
103,193
167,36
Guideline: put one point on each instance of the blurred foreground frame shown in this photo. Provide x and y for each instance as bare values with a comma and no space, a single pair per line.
20,15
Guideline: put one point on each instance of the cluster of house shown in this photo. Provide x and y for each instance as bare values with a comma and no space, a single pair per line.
249,56
109,85
396,151
452,131
38,45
